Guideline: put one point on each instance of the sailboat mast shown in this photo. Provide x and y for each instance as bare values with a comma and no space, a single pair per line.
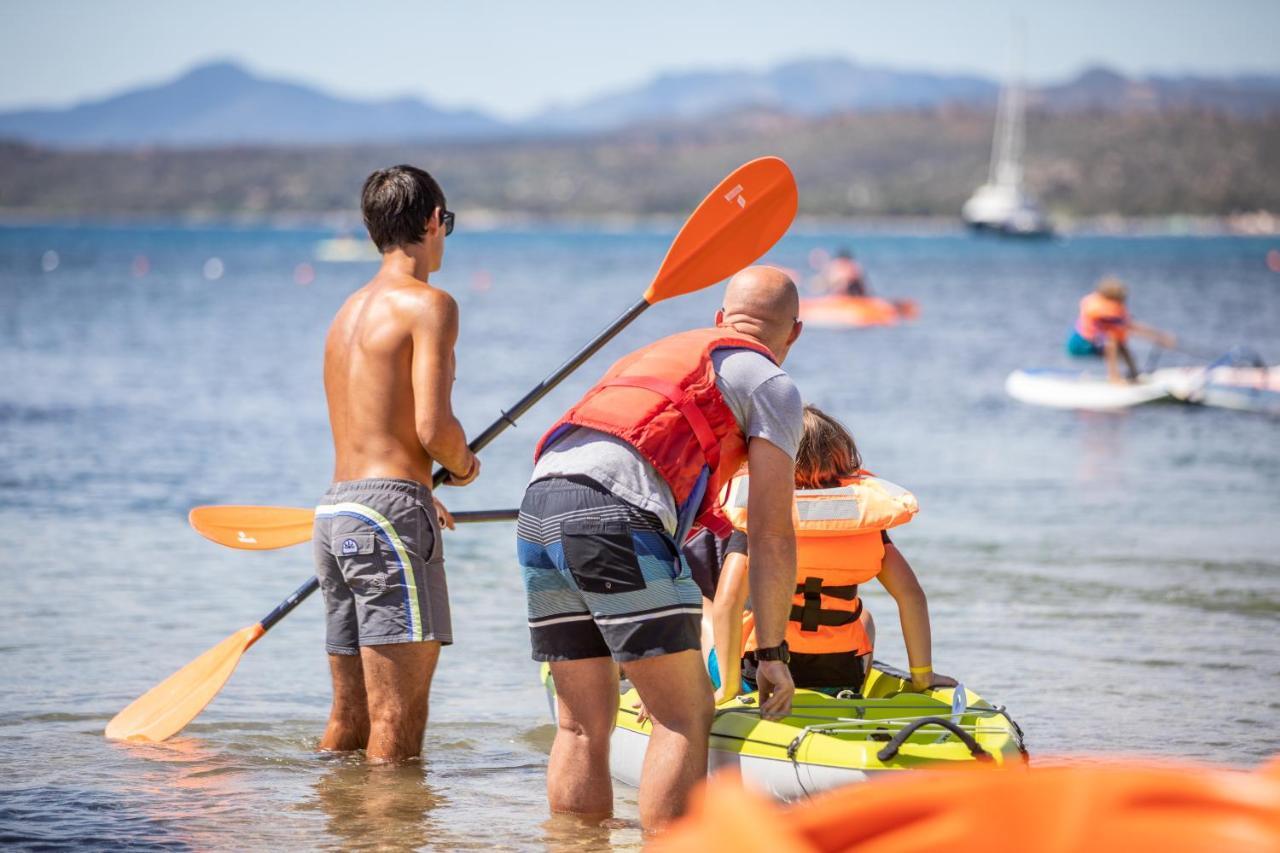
1006,147
997,138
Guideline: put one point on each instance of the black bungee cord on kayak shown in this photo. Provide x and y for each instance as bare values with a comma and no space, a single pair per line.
891,748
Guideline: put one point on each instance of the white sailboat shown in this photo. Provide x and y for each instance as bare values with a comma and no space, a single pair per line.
1001,205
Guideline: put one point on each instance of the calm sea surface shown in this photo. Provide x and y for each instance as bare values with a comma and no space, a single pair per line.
1115,580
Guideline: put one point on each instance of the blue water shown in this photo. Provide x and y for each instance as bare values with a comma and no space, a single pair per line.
1113,579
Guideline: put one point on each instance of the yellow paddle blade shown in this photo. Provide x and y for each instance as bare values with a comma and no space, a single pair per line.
164,709
734,226
254,528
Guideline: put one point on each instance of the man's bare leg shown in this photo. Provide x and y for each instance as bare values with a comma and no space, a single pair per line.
348,727
397,681
676,692
578,780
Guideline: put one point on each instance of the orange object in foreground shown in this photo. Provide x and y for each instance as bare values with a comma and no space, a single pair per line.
1128,806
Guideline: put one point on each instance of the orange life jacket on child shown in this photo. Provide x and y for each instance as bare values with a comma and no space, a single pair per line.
1101,318
838,547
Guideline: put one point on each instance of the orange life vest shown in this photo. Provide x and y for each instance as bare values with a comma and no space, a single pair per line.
838,547
1101,317
662,400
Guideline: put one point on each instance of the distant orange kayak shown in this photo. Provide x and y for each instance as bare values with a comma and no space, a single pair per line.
856,311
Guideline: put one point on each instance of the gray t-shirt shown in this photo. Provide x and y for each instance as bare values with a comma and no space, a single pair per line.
762,397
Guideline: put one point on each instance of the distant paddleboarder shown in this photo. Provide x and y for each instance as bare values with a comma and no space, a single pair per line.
1103,326
388,376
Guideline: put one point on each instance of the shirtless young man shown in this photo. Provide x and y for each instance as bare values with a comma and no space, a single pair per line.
388,374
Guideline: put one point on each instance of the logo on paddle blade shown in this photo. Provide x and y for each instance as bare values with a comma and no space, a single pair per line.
247,540
349,546
736,194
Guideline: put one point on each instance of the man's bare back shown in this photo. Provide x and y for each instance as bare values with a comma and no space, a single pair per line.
388,376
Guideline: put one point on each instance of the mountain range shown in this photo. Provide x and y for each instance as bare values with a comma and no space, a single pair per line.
223,104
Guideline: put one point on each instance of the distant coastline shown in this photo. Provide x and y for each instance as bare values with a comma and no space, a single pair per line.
1206,170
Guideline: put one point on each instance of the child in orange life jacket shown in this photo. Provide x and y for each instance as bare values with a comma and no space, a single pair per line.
1103,328
842,514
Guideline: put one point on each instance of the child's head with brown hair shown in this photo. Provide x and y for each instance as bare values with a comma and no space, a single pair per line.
826,454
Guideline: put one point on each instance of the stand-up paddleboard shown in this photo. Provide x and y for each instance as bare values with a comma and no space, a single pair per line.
829,741
856,311
1246,389
1074,389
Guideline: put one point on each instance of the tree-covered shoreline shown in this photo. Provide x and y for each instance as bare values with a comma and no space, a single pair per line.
866,165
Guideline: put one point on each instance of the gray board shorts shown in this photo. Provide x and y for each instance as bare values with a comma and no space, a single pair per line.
380,563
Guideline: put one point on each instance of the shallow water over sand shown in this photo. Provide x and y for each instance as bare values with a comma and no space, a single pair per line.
1114,580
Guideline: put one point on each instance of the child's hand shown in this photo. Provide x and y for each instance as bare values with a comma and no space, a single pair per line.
928,680
642,713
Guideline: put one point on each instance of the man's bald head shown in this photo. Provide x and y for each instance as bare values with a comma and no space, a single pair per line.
766,294
762,302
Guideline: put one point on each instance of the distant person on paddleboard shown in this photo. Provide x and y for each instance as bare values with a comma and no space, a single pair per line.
843,514
843,276
619,480
1103,326
388,377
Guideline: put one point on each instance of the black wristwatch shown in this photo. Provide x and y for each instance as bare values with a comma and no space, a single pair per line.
780,652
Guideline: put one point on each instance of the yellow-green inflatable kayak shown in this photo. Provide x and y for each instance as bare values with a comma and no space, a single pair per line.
830,741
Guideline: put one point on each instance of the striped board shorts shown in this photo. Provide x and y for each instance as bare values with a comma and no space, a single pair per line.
602,578
380,562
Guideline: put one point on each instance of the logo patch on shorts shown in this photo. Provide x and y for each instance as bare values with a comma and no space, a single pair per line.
350,546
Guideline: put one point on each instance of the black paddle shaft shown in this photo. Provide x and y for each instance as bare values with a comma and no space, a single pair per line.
295,598
545,387
495,429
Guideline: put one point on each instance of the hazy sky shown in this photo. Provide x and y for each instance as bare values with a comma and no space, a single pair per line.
516,57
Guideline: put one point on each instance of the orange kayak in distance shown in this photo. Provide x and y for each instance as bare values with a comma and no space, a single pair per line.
856,311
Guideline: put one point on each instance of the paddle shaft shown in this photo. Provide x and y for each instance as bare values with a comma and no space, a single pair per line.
477,516
285,607
545,387
495,429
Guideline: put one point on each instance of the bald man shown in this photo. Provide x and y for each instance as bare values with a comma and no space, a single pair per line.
618,482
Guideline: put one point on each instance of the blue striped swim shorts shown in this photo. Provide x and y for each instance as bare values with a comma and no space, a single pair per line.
602,577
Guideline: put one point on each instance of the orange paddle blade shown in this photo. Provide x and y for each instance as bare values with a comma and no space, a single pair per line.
254,528
733,226
164,709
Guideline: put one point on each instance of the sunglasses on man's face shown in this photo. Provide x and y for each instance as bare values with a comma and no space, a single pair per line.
446,221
